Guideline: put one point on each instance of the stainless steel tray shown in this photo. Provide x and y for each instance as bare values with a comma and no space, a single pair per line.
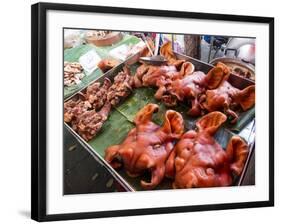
199,65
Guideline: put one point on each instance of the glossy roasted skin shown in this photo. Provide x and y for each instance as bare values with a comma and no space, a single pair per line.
210,92
186,89
199,161
191,87
161,76
147,146
229,99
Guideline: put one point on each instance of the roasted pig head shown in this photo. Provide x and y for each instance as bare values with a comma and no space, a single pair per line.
228,99
211,92
192,86
199,161
158,76
147,146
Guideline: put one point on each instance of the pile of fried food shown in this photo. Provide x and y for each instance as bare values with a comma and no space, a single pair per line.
196,160
72,73
87,112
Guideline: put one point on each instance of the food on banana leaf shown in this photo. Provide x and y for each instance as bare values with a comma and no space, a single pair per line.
87,111
93,99
72,73
74,108
147,146
121,87
97,94
88,124
107,64
179,83
199,161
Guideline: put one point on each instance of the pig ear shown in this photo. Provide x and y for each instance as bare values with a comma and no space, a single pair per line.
187,68
145,114
246,97
217,75
167,51
170,165
211,122
173,124
177,63
237,151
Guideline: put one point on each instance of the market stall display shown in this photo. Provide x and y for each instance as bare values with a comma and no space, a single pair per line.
137,87
96,60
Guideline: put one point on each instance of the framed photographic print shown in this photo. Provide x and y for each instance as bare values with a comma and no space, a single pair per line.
139,111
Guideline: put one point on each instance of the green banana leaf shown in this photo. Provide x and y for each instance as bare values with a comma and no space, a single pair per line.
244,118
143,96
121,118
113,132
73,55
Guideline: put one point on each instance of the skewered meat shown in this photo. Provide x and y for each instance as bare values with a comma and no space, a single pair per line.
107,64
121,87
199,161
147,146
97,94
90,122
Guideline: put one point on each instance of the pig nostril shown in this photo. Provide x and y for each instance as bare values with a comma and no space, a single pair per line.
147,175
156,146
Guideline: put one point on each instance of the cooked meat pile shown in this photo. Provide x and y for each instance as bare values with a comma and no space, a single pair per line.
97,95
199,161
178,82
121,87
86,112
72,73
196,160
147,146
90,122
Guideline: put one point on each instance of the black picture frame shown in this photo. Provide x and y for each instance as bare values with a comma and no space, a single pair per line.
38,108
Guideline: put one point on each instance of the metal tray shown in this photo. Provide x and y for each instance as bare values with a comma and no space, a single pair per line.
199,65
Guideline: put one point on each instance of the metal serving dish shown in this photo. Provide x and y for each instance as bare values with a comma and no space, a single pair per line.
236,81
236,64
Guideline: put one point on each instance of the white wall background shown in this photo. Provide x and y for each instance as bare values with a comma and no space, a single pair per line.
15,110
